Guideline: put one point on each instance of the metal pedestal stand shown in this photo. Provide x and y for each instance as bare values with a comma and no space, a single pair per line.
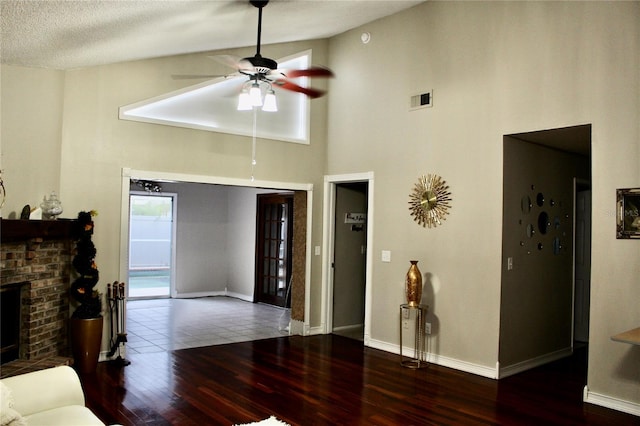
418,359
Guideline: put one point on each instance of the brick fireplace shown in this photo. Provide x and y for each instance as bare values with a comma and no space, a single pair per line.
35,268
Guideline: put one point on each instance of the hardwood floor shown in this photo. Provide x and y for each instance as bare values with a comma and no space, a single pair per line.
332,380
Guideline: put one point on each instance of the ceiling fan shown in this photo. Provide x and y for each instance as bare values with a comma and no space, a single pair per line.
260,69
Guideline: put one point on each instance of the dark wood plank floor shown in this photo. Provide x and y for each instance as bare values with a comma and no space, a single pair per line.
332,380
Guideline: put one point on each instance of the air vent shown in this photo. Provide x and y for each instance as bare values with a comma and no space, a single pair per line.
423,100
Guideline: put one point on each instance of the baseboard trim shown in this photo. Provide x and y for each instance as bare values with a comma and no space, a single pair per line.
314,330
299,328
533,362
468,367
296,328
611,402
240,296
348,327
199,294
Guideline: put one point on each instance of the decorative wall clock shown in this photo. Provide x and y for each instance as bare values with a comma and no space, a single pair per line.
429,201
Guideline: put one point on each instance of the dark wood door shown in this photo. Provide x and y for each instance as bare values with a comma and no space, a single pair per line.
274,248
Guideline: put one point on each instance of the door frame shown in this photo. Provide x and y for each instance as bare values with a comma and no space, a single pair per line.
328,241
174,212
128,174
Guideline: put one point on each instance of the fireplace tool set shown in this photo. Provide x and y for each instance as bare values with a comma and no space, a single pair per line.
116,300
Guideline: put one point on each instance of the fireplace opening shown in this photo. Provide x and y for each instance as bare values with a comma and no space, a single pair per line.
10,319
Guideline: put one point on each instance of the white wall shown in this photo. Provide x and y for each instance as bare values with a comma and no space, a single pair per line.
495,68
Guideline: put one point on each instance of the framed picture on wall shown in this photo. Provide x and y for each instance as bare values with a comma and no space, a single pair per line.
628,213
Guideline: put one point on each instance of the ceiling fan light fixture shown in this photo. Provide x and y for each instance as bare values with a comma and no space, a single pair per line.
255,94
270,103
244,101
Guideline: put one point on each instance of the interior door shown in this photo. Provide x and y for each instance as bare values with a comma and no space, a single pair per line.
274,248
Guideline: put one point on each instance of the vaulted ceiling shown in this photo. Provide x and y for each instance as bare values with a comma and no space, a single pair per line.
68,34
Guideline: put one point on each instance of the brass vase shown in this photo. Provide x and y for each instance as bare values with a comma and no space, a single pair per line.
414,284
86,339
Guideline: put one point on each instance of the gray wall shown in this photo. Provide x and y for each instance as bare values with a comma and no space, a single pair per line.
215,239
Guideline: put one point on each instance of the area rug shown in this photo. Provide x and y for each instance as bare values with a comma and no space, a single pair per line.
271,421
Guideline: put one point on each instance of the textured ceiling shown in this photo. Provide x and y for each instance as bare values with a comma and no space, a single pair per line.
67,34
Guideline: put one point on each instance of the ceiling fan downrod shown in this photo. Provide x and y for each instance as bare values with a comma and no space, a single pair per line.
257,60
259,5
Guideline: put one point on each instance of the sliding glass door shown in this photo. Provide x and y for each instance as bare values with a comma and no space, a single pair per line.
151,245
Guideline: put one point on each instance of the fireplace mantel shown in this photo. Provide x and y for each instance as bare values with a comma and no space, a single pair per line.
21,229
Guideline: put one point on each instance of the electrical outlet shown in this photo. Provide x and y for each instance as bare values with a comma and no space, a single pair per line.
427,328
405,313
405,324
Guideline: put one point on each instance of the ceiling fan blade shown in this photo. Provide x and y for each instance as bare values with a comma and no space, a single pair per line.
310,92
308,72
235,62
228,60
196,76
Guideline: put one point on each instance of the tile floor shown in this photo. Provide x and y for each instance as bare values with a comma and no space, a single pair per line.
158,325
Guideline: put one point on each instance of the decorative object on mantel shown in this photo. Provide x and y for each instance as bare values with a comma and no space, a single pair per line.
86,321
429,201
148,185
26,212
51,207
116,300
413,285
628,213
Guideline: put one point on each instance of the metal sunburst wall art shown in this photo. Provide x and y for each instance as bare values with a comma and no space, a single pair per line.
429,201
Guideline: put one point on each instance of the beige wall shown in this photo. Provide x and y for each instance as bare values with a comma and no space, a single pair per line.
31,120
496,68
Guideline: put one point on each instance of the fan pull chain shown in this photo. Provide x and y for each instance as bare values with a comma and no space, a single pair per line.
253,143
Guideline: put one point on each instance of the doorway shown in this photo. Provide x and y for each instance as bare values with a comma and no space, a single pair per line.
197,267
151,245
539,236
347,259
